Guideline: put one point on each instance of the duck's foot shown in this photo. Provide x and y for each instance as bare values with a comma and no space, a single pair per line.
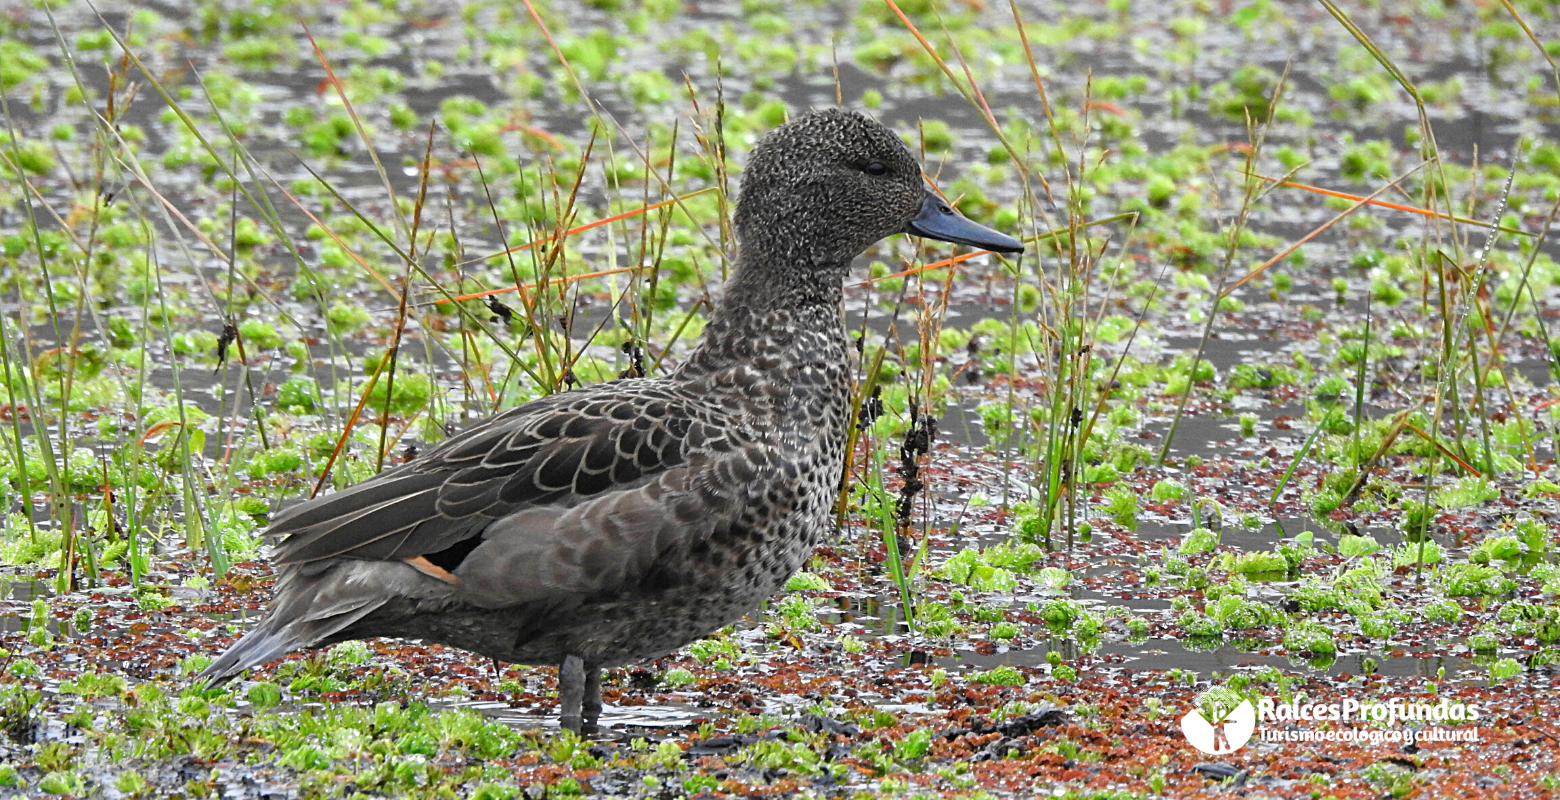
579,695
592,704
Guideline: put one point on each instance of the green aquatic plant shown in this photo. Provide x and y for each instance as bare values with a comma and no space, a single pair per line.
1000,676
1352,546
1166,490
1198,540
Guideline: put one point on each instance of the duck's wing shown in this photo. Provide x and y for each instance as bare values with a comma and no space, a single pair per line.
643,539
555,453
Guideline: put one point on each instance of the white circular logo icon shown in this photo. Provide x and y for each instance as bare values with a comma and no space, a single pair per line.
1222,736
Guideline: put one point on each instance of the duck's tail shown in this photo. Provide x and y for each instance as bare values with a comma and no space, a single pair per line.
313,602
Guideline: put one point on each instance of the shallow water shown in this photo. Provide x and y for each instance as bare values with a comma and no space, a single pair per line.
1484,122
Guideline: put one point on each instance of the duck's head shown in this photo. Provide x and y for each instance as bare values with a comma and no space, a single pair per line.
824,187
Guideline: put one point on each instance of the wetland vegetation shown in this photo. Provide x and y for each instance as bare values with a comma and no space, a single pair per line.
1268,410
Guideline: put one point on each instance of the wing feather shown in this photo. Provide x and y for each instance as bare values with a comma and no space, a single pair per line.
608,545
552,455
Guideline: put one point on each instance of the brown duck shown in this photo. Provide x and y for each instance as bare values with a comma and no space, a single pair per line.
620,521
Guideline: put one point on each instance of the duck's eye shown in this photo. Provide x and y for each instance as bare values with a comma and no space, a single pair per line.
876,169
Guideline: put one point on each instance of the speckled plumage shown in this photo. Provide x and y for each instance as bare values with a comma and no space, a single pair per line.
623,520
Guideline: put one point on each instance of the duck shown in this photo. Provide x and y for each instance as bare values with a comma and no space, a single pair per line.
617,522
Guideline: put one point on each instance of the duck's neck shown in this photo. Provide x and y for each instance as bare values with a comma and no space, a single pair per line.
795,284
792,312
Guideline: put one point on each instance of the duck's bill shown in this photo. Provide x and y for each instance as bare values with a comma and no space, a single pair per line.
937,220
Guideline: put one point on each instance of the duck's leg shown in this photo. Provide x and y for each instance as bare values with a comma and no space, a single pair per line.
571,692
592,701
